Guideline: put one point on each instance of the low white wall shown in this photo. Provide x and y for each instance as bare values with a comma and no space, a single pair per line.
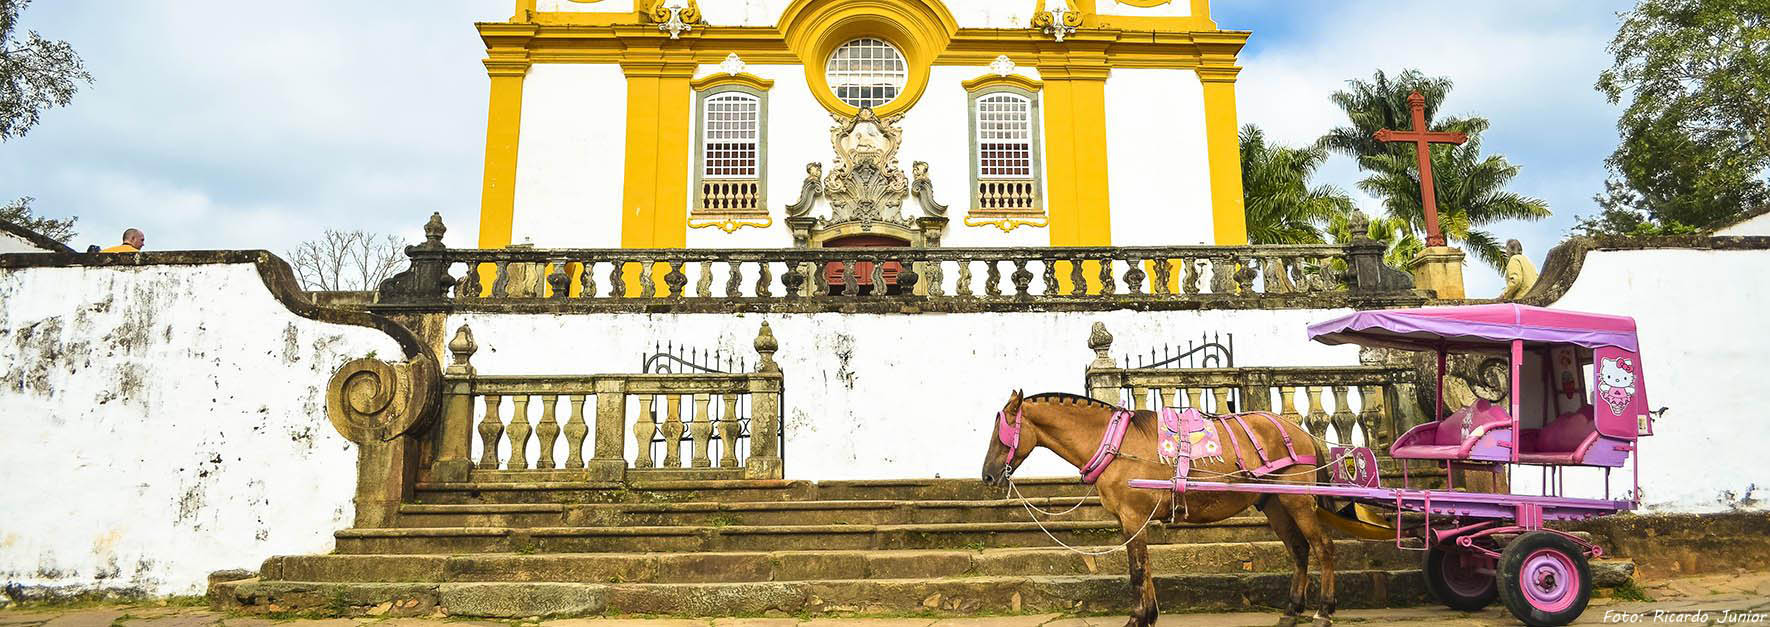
10,243
1701,318
892,396
1759,225
164,422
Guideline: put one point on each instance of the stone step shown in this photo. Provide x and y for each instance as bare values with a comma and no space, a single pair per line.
515,487
744,513
732,567
1008,594
455,540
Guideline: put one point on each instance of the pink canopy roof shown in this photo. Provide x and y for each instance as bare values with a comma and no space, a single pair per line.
1476,326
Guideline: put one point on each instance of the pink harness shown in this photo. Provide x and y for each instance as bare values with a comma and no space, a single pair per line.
1009,434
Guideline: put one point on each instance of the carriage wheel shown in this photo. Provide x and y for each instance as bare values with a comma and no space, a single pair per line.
1455,577
1544,579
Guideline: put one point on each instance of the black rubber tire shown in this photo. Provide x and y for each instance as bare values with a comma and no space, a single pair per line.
1512,578
1438,560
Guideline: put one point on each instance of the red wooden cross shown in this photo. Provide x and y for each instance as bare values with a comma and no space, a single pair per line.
1423,139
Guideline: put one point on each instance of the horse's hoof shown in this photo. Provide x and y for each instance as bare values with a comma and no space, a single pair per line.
1288,621
1323,621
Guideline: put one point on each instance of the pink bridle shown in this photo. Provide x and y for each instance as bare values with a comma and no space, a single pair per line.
1009,434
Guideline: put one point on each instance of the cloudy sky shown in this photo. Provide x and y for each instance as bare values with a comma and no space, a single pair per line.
216,124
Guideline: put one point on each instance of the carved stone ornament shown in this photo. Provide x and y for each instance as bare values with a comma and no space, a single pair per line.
371,401
809,191
924,190
675,16
1059,21
866,185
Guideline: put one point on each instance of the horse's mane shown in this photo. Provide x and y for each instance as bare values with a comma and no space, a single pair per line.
1143,421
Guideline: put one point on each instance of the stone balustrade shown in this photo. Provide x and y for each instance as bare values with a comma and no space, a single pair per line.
894,279
580,422
1368,405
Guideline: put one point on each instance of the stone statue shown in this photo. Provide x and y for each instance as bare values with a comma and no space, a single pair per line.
1520,272
923,189
808,191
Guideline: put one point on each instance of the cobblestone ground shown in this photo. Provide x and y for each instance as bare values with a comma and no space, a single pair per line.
1709,600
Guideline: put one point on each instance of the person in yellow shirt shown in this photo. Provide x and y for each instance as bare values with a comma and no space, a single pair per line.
133,240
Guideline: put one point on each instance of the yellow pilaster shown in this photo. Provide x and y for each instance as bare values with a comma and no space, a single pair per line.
507,63
654,192
1228,212
1075,138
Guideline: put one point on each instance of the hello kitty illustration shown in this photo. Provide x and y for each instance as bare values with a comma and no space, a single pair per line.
1616,383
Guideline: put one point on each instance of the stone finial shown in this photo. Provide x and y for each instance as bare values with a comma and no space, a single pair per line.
1100,341
733,64
433,232
462,347
1002,66
766,345
1359,226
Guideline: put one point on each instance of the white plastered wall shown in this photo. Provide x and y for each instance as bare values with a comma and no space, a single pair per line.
1759,225
573,6
570,156
1172,8
1158,159
164,422
10,243
892,396
1703,343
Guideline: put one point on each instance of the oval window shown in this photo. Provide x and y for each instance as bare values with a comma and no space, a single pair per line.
866,72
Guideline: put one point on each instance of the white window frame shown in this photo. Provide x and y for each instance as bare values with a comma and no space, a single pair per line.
897,79
1034,143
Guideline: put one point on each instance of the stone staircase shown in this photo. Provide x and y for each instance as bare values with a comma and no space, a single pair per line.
518,545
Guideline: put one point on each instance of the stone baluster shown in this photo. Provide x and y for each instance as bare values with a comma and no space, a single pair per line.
964,286
575,430
1274,277
1223,400
1021,277
764,280
992,277
469,289
1195,398
541,279
547,431
1287,397
617,280
672,429
850,283
1189,283
1317,420
559,281
647,287
491,429
587,279
643,430
793,280
519,433
1165,397
675,279
1244,278
1138,394
1108,287
455,433
936,280
729,431
1050,275
1134,276
701,431
1370,414
1164,272
704,287
1222,276
734,279
501,285
878,276
1078,278
1343,418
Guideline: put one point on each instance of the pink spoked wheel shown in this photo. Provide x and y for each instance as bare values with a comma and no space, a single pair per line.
1544,579
1461,579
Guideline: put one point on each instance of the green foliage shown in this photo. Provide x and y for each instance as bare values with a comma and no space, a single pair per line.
1470,188
1695,137
35,74
1400,244
19,212
1282,208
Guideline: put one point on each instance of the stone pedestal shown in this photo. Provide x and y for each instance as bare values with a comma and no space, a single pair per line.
1440,269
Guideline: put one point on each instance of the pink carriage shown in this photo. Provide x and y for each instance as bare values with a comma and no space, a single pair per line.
1578,400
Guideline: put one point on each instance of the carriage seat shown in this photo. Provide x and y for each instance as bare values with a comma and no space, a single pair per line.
1572,439
1489,439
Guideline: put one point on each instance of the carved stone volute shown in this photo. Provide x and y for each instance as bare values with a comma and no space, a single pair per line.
371,401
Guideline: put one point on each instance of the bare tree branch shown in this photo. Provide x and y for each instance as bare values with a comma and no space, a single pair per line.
346,260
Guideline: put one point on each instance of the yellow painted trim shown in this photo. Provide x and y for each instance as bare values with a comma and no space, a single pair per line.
1007,224
813,29
1229,219
1074,102
507,65
1009,80
654,190
585,18
1145,4
745,79
731,225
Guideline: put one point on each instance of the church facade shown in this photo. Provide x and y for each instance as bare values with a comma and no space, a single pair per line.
781,123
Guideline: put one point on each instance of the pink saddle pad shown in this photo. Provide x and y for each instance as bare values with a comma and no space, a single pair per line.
1186,433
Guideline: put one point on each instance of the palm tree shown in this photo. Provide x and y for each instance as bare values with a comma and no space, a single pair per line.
1400,245
1471,192
1470,188
1282,208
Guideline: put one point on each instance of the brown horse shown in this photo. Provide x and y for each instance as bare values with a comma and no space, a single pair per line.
1073,426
